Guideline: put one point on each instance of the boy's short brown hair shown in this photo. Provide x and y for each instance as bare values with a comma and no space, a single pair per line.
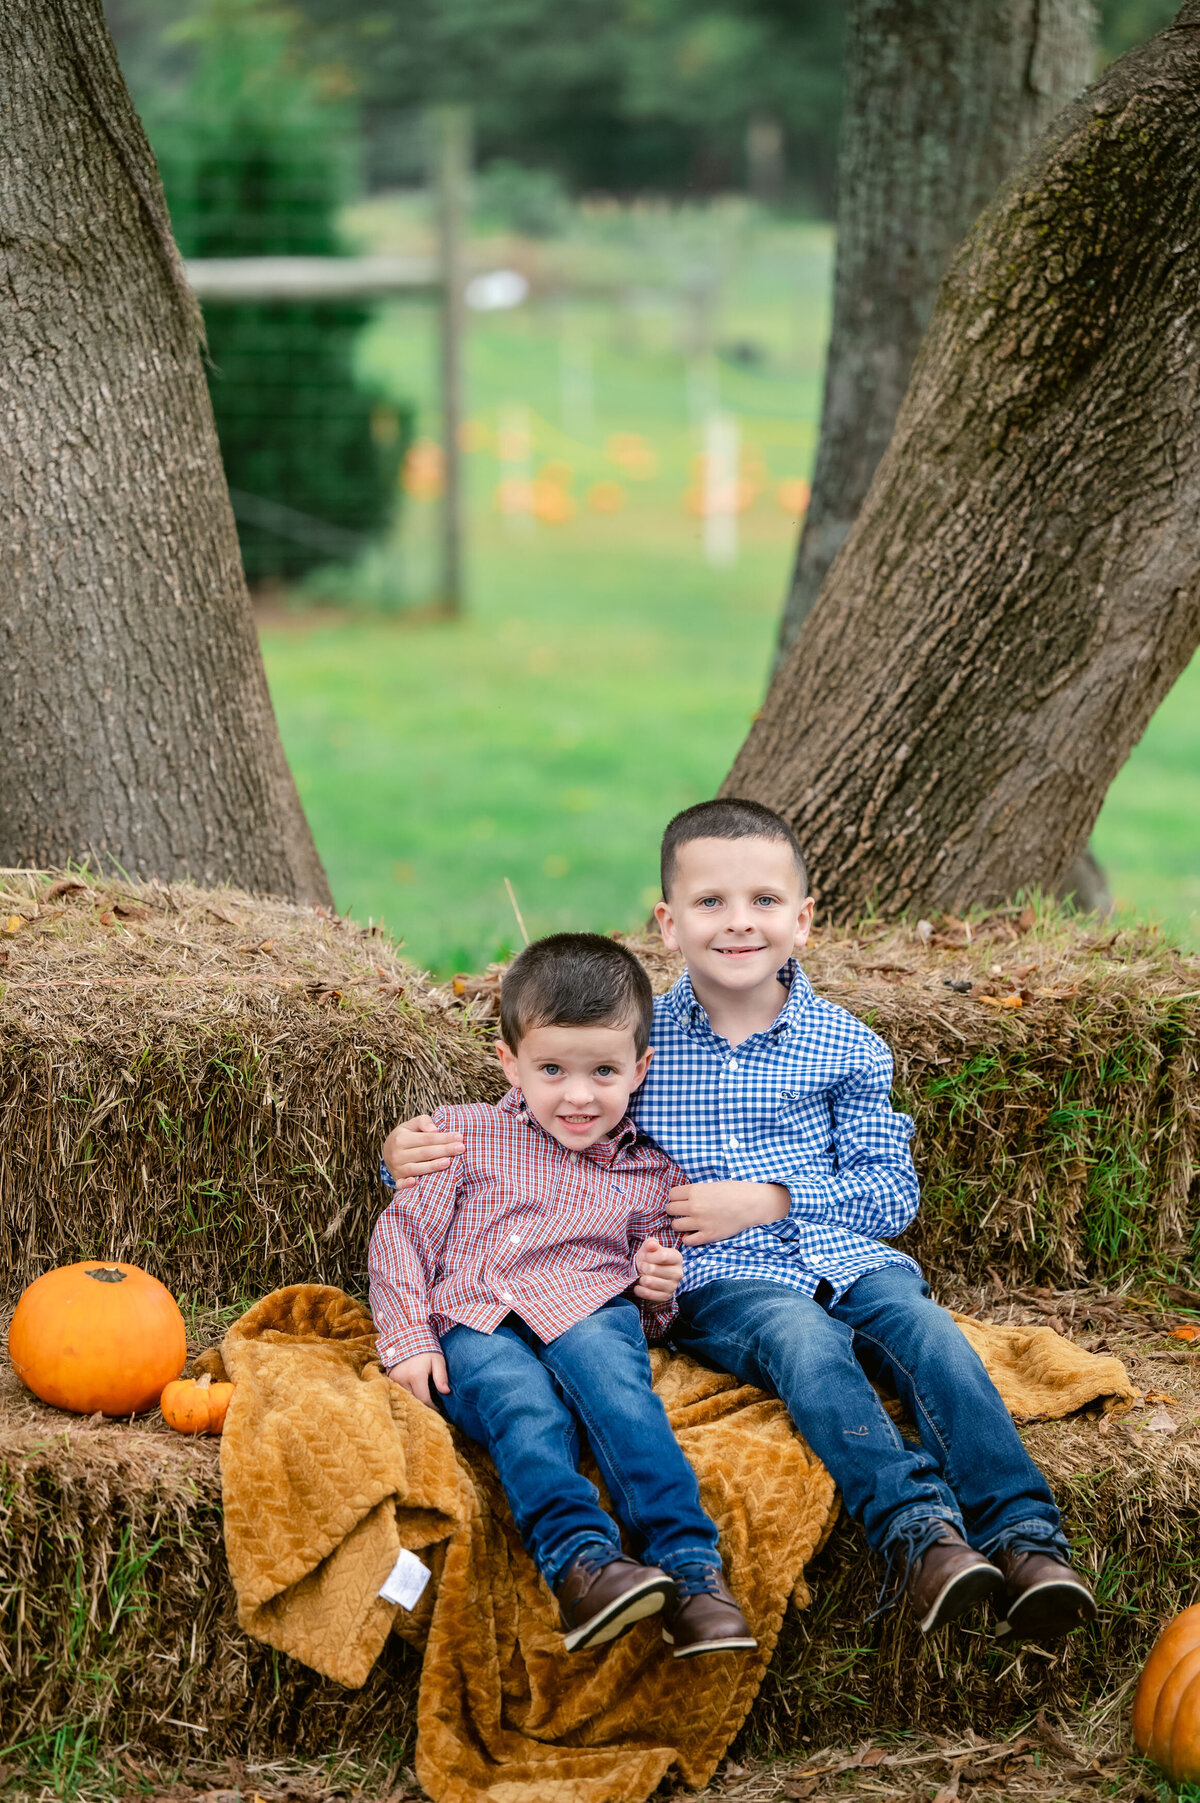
575,980
727,818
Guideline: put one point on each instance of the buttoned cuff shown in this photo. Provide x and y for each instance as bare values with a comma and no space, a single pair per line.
385,1176
657,1319
407,1343
807,1201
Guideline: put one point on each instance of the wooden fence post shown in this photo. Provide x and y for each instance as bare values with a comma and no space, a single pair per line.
452,139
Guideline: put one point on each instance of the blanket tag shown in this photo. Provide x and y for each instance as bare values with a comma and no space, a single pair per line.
406,1581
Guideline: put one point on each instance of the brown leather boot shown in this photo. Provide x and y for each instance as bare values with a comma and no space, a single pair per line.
702,1617
600,1597
1046,1599
949,1578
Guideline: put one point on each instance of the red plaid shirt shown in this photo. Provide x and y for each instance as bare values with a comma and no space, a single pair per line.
516,1223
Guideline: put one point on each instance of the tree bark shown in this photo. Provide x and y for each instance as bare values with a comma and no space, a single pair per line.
943,99
1022,584
138,726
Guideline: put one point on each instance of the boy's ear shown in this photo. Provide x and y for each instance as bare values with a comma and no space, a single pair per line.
508,1063
804,921
666,925
641,1067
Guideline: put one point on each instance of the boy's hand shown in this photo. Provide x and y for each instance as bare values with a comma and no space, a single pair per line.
414,1374
659,1269
416,1147
704,1212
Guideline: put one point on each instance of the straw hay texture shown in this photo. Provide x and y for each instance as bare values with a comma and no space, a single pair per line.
200,1082
117,1619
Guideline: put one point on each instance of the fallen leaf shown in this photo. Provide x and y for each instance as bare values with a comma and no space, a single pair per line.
1160,1423
874,1756
1026,920
3,957
130,911
924,931
323,992
66,886
1053,1738
108,919
219,914
1000,1001
1185,1333
949,1791
1158,1396
267,945
13,925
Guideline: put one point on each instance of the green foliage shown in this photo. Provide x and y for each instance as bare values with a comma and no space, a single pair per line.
256,160
613,95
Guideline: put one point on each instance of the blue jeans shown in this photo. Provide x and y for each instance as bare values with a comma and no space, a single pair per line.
970,1469
525,1400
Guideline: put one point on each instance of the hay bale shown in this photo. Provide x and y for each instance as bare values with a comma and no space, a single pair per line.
200,1082
118,1622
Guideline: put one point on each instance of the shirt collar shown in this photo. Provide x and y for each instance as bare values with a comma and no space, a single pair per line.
692,1016
622,1137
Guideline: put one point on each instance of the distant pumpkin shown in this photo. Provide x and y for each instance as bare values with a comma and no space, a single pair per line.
97,1338
195,1405
1166,1706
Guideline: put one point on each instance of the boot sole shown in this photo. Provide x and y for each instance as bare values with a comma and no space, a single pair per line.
966,1590
740,1644
1047,1611
632,1606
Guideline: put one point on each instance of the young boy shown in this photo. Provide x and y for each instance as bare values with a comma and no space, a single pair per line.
776,1102
503,1280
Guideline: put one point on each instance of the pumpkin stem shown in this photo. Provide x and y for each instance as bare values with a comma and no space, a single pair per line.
205,1382
107,1274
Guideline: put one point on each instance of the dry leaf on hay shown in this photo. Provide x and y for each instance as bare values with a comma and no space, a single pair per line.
1187,1332
65,886
13,925
1160,1423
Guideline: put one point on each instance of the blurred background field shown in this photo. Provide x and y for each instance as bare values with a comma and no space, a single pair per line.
676,262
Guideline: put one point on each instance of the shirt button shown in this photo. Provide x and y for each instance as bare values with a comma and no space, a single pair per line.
504,1295
733,1064
734,1144
514,1239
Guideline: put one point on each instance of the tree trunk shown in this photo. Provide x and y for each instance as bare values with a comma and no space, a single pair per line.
943,99
1022,584
138,727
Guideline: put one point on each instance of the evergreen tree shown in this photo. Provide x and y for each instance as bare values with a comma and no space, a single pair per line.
256,158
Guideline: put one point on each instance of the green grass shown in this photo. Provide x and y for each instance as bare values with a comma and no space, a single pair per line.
605,674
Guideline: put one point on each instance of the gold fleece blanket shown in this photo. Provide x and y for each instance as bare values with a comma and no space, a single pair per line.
328,1470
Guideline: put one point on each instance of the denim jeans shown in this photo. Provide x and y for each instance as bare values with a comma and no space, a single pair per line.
970,1469
525,1400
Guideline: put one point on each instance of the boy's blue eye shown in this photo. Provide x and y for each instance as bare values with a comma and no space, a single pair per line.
551,1070
605,1070
709,901
767,901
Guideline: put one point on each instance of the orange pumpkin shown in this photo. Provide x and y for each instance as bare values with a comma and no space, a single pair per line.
97,1338
1166,1708
195,1405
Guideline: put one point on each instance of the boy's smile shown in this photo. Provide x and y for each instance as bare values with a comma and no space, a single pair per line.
737,911
576,1081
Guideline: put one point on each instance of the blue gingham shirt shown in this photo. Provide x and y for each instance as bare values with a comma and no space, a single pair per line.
806,1104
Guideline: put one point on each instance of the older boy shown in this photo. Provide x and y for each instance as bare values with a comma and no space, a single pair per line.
776,1102
502,1279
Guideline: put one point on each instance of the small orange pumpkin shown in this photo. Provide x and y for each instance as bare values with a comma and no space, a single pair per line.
97,1338
1166,1708
195,1405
